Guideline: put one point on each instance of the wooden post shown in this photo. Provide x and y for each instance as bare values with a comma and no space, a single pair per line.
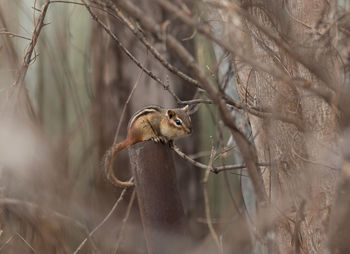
159,200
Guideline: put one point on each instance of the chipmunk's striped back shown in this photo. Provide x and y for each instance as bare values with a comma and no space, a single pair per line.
144,111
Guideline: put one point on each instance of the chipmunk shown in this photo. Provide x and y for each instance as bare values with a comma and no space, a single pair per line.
150,123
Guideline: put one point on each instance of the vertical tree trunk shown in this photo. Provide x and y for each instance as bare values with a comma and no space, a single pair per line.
298,188
163,217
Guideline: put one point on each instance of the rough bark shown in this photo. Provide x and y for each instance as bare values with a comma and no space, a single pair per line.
161,209
299,189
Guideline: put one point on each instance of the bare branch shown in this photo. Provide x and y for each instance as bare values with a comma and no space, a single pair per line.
206,201
211,167
9,34
17,89
148,45
28,55
121,232
128,53
121,197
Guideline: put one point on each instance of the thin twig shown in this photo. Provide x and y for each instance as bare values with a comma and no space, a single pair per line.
34,8
109,156
126,104
120,238
127,52
148,45
211,167
103,221
18,85
83,5
7,242
206,203
9,34
26,243
233,200
28,55
268,113
196,101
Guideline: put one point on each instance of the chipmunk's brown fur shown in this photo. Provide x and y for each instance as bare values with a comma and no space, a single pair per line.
150,123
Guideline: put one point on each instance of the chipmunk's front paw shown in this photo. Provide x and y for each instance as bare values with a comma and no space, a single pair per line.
156,139
163,140
171,143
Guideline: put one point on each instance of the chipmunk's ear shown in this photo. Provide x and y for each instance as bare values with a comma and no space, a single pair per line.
171,113
185,108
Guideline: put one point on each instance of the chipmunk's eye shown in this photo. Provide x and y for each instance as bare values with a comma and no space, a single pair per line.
178,122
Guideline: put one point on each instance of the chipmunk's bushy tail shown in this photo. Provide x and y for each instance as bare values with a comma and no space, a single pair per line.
108,164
